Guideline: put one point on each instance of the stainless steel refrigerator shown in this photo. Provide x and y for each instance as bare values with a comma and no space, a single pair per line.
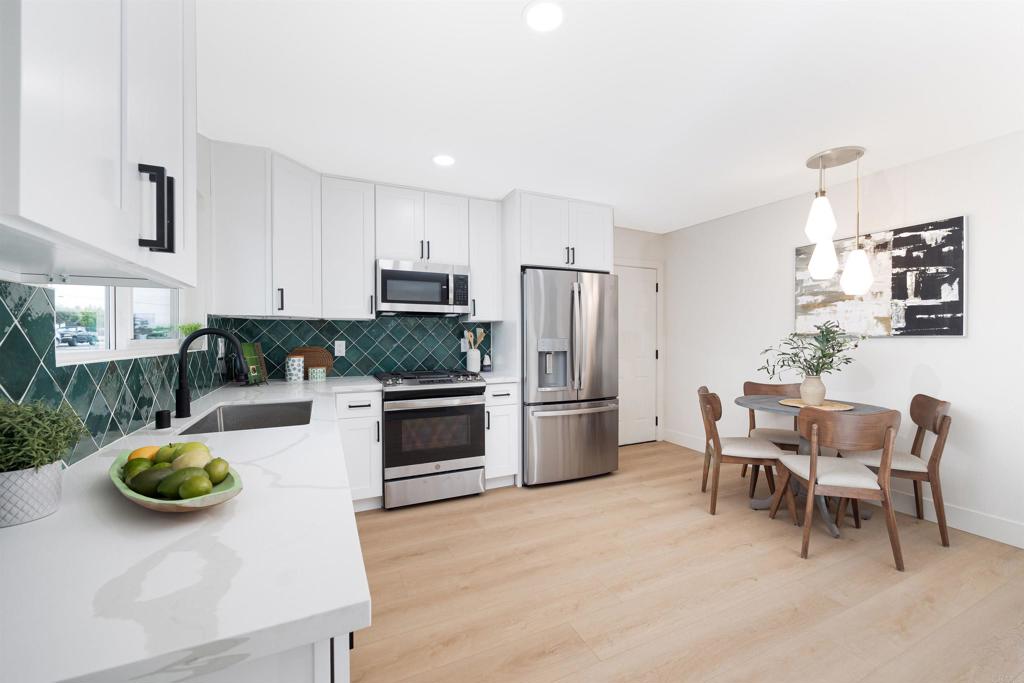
571,375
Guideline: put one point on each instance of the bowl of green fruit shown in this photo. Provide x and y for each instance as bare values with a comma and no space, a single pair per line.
178,477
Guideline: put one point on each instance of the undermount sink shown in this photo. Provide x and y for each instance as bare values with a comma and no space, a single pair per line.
252,416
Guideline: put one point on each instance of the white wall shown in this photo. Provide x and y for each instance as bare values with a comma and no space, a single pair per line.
636,245
729,287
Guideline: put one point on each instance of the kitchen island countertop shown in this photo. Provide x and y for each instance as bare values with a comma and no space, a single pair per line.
104,590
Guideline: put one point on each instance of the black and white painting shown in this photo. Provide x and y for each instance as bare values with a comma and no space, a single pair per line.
918,289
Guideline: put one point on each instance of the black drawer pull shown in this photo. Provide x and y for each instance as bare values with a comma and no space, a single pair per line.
358,405
501,395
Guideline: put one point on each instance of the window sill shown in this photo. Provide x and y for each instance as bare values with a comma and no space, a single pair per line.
136,350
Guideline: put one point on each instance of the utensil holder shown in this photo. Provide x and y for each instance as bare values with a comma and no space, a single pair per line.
473,360
293,368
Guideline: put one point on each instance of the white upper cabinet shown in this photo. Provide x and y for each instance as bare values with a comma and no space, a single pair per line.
400,224
564,233
295,226
545,231
348,249
484,260
240,219
446,228
91,90
591,233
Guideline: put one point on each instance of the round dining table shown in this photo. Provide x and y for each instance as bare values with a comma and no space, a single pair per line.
770,404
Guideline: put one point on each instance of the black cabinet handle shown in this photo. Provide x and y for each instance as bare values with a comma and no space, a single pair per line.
378,431
421,248
280,292
428,250
501,395
567,256
574,256
474,306
358,405
488,418
371,304
164,240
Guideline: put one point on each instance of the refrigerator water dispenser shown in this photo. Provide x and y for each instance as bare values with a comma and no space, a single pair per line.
553,364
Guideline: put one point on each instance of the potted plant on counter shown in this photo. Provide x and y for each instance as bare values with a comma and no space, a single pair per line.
33,439
812,356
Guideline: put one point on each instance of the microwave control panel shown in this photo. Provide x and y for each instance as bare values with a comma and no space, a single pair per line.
461,294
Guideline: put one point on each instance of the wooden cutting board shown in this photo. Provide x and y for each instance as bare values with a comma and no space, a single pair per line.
827,405
314,357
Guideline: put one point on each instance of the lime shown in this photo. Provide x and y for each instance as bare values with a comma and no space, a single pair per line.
166,453
168,488
133,467
194,487
146,482
190,446
218,470
193,458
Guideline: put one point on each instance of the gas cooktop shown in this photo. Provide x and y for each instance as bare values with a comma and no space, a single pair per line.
427,378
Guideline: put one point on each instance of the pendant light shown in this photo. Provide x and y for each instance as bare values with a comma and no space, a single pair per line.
821,221
857,276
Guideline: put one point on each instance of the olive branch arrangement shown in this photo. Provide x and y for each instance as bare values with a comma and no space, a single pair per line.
811,355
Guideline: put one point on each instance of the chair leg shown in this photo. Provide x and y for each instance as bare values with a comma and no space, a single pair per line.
918,501
743,472
769,476
779,492
791,504
841,511
716,468
707,465
894,536
856,512
808,519
754,469
940,509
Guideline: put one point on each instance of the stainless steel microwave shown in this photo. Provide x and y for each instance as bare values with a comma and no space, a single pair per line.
421,287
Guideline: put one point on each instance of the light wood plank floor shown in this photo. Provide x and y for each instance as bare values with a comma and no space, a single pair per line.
627,578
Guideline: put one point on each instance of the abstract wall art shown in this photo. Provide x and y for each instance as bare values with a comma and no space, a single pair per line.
918,289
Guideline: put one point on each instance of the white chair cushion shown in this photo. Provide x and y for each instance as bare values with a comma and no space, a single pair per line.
901,460
743,447
789,437
833,471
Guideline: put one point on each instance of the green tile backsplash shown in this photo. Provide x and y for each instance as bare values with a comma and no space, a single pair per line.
386,344
112,398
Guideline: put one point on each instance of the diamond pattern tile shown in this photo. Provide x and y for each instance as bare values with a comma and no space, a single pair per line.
383,345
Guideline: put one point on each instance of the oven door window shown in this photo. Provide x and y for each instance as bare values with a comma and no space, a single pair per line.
407,287
414,437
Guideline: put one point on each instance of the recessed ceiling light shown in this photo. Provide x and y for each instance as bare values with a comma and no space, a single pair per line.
444,160
543,15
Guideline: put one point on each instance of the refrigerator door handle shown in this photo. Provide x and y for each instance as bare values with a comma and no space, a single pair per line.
577,350
578,411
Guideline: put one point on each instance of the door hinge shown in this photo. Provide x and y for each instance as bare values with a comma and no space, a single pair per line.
656,287
655,354
655,420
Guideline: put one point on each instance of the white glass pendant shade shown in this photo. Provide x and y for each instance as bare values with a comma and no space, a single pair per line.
821,222
824,263
857,276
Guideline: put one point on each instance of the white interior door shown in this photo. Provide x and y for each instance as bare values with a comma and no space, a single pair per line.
638,342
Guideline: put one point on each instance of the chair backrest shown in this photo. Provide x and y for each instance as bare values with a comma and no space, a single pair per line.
710,413
762,389
930,415
846,432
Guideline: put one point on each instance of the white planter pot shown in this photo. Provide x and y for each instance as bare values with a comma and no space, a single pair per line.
28,495
812,390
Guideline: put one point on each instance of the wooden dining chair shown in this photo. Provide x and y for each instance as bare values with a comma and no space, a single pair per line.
843,478
739,450
930,415
786,439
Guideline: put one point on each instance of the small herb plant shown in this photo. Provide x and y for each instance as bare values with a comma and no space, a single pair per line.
811,355
188,328
33,435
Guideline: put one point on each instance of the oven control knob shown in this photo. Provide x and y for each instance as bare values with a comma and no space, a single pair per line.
437,467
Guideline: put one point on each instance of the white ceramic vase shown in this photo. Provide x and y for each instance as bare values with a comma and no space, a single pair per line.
27,495
812,390
294,368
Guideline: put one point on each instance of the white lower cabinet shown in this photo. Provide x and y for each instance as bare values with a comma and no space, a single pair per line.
361,440
501,431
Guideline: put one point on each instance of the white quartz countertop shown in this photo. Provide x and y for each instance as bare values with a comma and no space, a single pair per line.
499,379
105,590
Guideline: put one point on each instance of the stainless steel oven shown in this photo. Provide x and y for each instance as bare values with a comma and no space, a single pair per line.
433,442
421,287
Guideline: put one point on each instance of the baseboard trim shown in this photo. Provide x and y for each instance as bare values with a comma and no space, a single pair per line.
975,522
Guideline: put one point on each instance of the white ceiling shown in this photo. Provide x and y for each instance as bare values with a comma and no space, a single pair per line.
673,112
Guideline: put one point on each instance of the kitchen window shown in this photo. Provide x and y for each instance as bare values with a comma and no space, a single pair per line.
96,322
